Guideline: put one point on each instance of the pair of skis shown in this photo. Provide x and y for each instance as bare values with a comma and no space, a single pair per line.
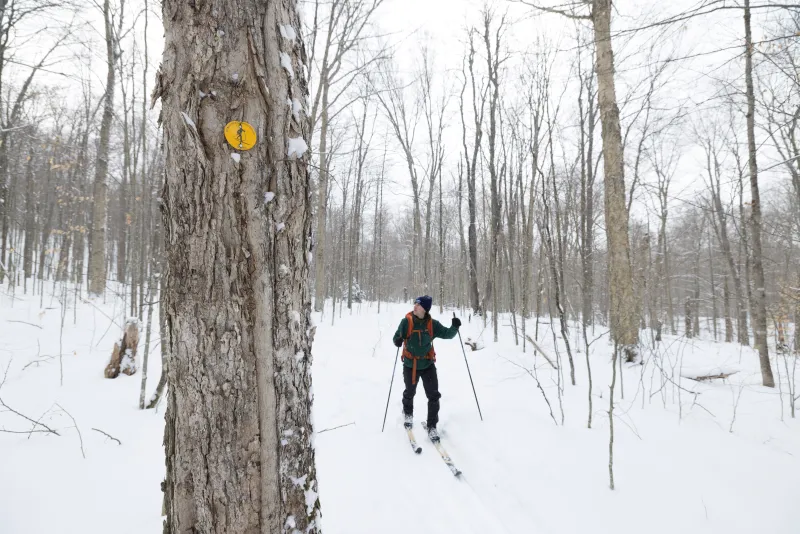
436,443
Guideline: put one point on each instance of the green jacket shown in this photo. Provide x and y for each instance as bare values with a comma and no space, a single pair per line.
420,341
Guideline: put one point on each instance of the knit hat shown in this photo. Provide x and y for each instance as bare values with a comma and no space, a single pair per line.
425,301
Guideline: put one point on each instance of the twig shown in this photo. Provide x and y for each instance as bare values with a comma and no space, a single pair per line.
40,418
23,431
334,428
24,322
5,375
80,437
538,384
37,361
735,406
107,435
47,428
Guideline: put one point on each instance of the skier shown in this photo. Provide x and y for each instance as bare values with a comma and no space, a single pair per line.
417,331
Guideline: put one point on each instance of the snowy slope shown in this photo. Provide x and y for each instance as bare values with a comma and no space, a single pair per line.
678,466
675,470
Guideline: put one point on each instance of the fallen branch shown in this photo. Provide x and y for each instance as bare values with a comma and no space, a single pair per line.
47,428
710,377
334,428
23,322
107,435
45,359
23,431
535,346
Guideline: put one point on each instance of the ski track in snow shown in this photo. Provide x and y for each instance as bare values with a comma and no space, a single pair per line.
675,470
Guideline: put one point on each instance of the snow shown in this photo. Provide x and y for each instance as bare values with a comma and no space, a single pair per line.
299,481
297,147
268,196
127,363
189,121
690,456
236,157
288,32
286,63
279,227
297,108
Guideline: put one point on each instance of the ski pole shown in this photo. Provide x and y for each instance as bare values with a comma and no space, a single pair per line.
394,368
470,374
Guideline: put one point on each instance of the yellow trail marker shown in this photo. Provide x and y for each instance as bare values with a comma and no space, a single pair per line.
240,135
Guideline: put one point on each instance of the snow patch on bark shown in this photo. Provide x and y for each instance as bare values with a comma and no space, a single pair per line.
288,33
297,147
236,157
189,121
286,63
297,107
311,498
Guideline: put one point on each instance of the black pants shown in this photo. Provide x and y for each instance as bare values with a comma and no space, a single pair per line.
430,382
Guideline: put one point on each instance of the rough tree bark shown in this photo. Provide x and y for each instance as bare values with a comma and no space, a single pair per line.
238,436
623,308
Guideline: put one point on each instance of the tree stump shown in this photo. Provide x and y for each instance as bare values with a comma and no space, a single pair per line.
123,357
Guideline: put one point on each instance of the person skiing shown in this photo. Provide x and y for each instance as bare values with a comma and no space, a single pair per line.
417,331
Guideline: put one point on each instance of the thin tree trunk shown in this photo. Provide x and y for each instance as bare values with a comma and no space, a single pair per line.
97,261
760,298
30,220
622,306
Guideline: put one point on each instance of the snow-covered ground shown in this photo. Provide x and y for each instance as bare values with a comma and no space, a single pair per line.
716,457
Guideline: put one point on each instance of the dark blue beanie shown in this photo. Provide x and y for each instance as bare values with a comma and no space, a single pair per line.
425,301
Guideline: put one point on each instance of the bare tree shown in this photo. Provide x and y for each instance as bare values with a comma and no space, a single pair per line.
760,300
478,96
343,31
624,324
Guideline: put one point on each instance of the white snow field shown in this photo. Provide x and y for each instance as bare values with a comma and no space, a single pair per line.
721,456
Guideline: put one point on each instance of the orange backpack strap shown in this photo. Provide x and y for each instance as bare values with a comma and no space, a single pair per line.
406,354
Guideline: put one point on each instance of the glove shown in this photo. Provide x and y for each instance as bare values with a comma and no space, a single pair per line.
398,342
456,322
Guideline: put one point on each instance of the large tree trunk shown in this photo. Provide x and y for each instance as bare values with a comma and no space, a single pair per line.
97,260
759,291
622,306
238,438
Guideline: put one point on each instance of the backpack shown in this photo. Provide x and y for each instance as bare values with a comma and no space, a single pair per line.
431,355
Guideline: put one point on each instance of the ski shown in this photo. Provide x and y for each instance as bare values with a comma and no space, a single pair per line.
416,448
443,453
